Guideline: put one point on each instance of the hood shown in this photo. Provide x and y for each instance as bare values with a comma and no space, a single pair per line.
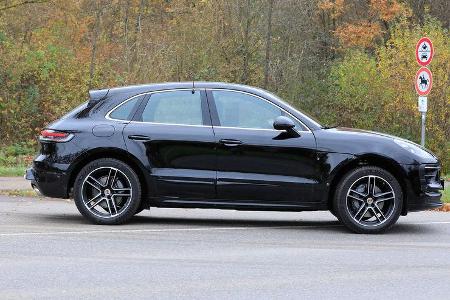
352,131
361,142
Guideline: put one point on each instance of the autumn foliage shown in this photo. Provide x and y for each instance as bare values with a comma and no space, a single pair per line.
349,63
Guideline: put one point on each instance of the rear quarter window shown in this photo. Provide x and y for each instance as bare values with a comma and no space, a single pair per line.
124,111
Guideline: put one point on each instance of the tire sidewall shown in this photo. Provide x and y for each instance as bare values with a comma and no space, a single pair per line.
340,200
135,185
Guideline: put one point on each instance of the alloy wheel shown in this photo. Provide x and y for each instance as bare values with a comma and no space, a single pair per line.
106,192
370,201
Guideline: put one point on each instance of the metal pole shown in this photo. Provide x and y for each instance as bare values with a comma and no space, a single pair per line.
422,139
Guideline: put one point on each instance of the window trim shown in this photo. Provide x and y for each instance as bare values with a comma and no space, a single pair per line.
254,95
146,98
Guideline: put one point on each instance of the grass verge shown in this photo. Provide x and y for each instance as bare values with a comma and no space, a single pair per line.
12,171
446,195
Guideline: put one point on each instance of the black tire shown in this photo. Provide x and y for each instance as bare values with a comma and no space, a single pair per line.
117,206
333,213
140,209
143,206
365,207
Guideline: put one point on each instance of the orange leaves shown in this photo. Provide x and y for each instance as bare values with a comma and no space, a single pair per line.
362,34
335,8
362,23
387,10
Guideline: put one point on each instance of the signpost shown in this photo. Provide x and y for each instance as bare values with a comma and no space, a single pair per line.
424,78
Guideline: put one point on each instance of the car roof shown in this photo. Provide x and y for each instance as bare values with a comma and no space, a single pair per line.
142,88
145,88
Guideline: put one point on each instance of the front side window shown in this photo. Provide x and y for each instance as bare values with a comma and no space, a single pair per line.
245,111
174,107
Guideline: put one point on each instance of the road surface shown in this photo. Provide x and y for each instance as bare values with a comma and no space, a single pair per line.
47,250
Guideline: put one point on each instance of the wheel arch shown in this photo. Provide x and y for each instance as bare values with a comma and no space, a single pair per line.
370,159
116,153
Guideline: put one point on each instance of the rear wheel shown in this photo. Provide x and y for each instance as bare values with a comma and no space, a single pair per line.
107,191
368,200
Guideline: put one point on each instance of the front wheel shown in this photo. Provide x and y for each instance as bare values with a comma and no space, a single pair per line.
368,200
107,191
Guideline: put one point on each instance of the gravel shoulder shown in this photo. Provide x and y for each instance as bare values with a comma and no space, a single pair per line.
14,183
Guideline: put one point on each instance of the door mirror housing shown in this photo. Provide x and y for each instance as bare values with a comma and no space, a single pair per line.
283,123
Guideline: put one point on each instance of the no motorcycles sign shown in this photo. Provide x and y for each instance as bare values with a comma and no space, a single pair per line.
424,51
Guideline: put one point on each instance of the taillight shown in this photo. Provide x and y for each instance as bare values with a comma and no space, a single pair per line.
49,135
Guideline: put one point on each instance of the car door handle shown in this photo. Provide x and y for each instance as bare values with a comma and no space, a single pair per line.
230,142
139,137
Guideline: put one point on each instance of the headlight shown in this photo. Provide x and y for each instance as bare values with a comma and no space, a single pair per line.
413,148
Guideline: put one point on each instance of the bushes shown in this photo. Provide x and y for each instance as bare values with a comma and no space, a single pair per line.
15,158
376,91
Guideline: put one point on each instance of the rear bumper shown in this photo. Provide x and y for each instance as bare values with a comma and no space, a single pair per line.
49,183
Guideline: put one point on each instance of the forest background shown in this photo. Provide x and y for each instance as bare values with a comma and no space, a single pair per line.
345,62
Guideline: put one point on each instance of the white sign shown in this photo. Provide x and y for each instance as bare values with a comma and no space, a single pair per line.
423,104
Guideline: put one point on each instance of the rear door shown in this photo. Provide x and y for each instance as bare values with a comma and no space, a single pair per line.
172,133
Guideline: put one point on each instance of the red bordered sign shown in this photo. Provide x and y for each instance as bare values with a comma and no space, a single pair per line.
424,51
424,81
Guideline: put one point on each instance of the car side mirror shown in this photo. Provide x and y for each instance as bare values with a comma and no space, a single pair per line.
283,123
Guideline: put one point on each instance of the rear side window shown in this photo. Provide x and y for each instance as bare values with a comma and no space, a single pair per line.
123,112
174,107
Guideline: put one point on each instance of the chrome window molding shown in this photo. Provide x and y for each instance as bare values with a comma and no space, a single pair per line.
170,124
259,129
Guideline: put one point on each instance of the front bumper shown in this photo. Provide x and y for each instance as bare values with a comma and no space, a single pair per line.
427,201
428,189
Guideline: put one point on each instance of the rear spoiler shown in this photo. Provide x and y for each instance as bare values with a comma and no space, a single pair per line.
96,96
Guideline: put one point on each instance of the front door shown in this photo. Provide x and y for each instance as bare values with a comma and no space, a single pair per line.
256,163
173,131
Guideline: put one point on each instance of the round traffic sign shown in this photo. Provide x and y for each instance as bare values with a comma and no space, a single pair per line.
424,81
424,51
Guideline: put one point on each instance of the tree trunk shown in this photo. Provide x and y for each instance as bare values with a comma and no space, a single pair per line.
94,45
137,35
246,52
268,44
126,50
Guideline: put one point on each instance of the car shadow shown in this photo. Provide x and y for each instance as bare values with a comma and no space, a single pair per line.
227,222
330,226
404,228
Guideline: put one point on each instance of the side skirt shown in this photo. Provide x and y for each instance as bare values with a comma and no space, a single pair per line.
224,204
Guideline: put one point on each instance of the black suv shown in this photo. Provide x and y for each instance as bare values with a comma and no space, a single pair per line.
218,145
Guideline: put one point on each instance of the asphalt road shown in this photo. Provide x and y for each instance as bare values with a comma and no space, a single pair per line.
47,250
